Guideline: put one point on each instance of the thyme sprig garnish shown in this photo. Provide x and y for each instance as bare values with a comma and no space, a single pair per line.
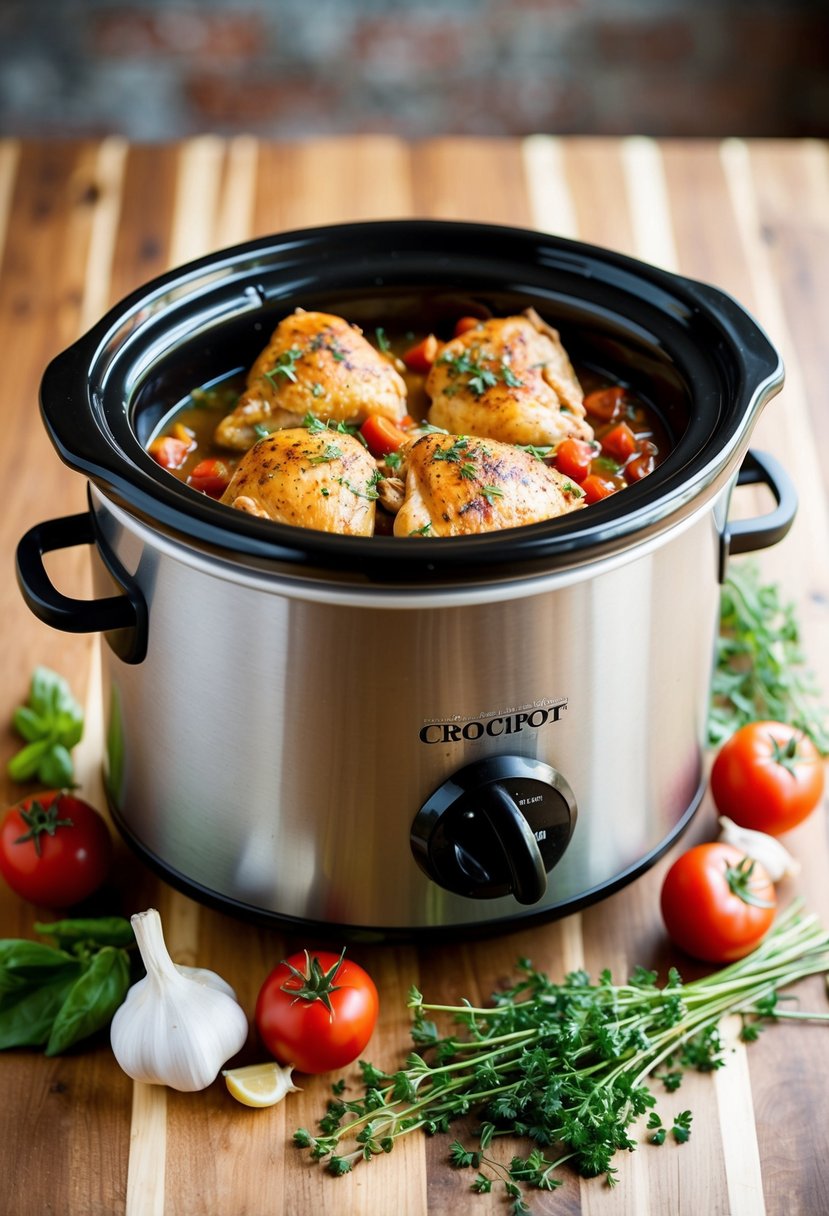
285,365
316,425
477,370
563,1065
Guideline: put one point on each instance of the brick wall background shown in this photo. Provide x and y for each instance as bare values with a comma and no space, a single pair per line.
158,69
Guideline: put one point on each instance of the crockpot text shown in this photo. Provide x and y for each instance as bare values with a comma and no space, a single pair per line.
478,728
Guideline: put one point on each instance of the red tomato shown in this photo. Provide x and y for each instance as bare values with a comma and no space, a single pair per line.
620,443
639,467
211,476
573,458
768,776
55,850
464,324
420,357
596,488
382,436
716,904
169,451
606,403
317,1012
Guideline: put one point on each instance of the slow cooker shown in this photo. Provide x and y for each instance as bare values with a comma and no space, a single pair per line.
405,737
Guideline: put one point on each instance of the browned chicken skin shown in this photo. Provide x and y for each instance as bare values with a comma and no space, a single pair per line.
319,364
508,379
455,485
320,479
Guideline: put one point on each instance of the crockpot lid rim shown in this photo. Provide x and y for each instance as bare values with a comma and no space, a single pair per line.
205,521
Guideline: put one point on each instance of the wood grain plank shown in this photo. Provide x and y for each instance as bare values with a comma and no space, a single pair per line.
85,223
480,180
57,213
332,181
722,240
595,171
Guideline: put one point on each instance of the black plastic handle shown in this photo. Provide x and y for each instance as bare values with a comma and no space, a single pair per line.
123,617
528,878
746,535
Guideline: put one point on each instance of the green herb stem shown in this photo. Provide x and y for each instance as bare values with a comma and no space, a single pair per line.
567,1064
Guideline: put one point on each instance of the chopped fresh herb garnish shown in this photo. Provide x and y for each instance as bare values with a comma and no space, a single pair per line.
329,452
315,425
455,450
393,460
540,453
316,389
426,530
370,491
490,493
382,341
604,464
508,376
260,431
479,376
467,469
285,365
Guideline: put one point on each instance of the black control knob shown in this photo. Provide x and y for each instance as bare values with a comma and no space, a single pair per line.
496,827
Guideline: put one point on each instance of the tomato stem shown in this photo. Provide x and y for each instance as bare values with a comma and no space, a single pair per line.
739,882
39,819
786,754
314,984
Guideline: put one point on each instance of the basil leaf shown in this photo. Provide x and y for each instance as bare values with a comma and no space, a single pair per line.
24,963
23,766
52,724
92,1000
102,930
56,767
41,691
28,1014
29,724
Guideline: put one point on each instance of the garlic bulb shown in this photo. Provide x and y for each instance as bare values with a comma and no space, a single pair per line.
178,1025
767,850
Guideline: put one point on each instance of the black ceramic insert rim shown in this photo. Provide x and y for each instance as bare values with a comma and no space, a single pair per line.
89,393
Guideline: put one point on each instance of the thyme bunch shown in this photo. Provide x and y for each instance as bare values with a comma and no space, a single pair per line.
760,670
563,1065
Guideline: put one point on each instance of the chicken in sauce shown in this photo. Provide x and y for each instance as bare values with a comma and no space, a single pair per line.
319,479
457,485
315,363
489,428
508,378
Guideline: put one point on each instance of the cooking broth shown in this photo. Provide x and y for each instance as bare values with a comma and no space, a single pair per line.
630,437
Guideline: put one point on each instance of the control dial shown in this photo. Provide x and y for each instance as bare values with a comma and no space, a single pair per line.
496,827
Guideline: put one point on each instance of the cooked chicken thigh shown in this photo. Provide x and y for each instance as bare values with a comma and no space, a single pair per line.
509,379
455,485
312,479
315,363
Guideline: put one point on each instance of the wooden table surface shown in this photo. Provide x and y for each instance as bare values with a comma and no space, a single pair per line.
83,223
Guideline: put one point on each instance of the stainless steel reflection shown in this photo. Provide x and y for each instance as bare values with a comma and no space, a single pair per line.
272,749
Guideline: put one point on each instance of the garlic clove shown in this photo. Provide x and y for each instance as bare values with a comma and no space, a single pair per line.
175,1028
760,847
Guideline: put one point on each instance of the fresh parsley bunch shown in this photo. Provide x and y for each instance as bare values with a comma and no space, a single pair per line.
564,1066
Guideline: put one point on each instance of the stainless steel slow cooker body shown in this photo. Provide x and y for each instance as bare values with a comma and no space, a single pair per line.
403,736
